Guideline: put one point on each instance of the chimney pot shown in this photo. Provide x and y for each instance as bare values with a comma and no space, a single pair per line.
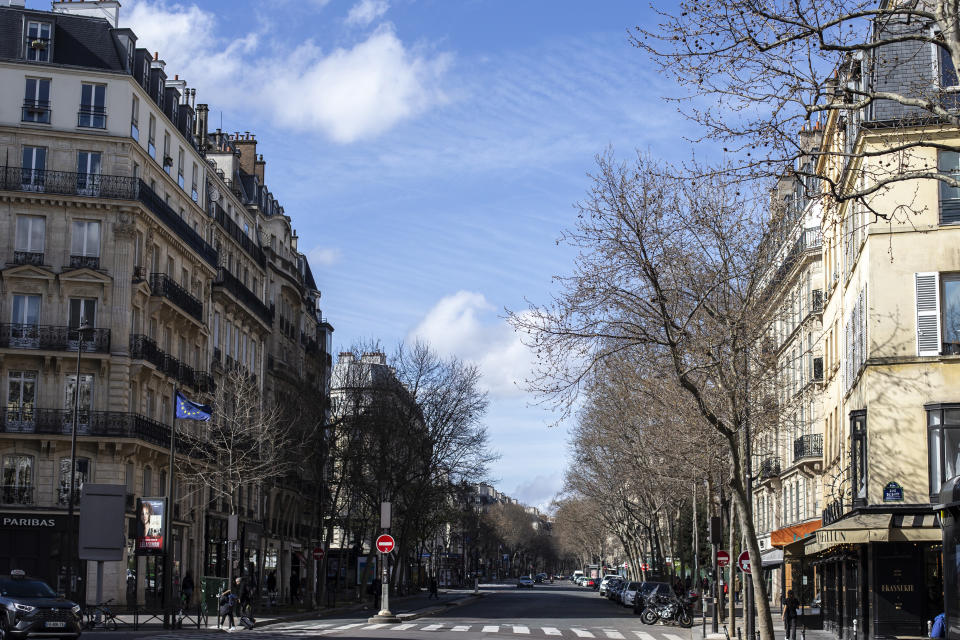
156,55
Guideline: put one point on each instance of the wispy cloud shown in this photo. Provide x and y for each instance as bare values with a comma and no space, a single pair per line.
324,256
366,11
347,94
465,325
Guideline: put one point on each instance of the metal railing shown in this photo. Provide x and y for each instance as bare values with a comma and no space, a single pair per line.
16,494
92,116
808,446
53,338
105,424
235,232
145,348
35,111
85,262
243,295
770,468
163,285
169,217
68,183
34,258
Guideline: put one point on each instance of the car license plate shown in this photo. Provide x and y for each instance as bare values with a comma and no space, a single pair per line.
56,625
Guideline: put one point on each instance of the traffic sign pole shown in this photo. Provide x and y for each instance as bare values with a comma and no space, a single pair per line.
384,545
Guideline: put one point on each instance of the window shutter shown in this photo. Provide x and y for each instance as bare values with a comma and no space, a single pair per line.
928,313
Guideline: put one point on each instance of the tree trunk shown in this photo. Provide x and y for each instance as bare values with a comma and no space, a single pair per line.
732,574
764,617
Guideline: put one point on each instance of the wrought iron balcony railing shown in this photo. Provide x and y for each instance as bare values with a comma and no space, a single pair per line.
34,258
105,424
144,348
235,232
243,295
42,336
180,226
85,262
16,494
92,116
163,285
808,446
35,111
770,468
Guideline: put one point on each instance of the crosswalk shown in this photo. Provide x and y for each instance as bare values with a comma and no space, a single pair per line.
288,631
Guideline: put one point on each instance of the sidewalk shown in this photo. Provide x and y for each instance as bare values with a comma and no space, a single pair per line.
778,632
408,607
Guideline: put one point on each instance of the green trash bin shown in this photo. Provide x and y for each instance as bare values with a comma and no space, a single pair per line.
210,587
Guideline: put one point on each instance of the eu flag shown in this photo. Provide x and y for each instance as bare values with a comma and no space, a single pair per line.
189,410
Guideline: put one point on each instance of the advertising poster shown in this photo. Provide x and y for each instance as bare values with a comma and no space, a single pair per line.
150,515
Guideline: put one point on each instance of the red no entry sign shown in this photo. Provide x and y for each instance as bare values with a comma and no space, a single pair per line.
318,553
723,558
385,543
744,562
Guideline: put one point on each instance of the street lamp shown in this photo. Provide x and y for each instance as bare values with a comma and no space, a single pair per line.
83,331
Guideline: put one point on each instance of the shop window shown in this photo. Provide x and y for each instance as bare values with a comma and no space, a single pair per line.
943,449
858,457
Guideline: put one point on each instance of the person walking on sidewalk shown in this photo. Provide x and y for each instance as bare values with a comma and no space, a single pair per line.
789,615
433,588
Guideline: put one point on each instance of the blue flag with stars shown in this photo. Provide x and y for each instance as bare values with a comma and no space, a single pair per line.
189,410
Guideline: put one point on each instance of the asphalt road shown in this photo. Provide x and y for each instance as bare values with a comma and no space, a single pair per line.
559,611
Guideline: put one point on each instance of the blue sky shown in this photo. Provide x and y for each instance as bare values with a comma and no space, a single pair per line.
430,153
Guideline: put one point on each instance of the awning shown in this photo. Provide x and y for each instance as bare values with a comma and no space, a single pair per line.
875,527
783,537
771,558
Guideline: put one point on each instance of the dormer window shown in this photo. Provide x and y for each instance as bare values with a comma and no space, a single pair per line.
38,42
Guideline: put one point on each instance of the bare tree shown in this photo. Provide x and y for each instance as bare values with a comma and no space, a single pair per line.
669,271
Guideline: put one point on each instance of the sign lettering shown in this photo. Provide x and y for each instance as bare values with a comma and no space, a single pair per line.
9,521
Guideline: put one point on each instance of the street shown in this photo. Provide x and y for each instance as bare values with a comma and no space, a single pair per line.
559,611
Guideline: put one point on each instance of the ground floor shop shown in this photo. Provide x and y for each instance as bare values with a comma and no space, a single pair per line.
35,543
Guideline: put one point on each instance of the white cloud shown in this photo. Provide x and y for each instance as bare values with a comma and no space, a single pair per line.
366,11
540,491
465,325
347,94
324,256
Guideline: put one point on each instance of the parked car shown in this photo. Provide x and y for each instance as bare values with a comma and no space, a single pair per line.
628,593
589,582
525,581
648,589
605,581
613,589
29,607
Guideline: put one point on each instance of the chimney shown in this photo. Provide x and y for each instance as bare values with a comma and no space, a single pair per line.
15,3
109,10
247,148
200,125
157,63
374,357
258,167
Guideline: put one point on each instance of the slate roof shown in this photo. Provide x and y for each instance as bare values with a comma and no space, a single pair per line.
78,41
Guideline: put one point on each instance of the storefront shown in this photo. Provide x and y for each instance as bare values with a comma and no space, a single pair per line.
879,575
35,542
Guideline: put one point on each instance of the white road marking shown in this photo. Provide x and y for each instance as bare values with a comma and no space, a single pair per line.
613,633
402,627
375,626
551,631
519,628
347,626
432,627
461,627
643,635
582,633
672,636
490,628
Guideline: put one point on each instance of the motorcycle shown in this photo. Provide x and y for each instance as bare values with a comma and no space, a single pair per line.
669,609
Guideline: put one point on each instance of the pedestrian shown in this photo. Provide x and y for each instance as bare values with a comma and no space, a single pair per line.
433,588
272,588
939,628
186,588
227,601
245,598
789,615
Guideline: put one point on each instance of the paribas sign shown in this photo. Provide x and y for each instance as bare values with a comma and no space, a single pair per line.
14,521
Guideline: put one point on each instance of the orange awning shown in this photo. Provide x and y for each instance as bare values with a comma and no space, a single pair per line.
783,537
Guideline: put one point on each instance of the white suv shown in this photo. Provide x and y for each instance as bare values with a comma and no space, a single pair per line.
606,579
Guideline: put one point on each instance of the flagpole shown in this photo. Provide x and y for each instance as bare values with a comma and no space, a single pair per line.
169,605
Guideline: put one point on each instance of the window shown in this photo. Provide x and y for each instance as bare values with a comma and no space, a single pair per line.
38,43
82,310
950,285
30,234
938,313
88,173
17,479
86,238
167,159
81,474
86,394
858,457
193,189
152,137
33,165
216,329
93,112
949,165
943,438
135,119
36,101
949,84
26,310
856,339
180,167
128,477
147,481
21,400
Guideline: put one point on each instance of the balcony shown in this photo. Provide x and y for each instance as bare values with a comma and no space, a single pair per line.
166,287
808,446
92,116
235,232
770,468
17,495
243,295
85,262
101,424
68,183
144,348
173,220
34,258
51,338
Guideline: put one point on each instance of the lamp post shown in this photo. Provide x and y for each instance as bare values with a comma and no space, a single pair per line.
82,332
